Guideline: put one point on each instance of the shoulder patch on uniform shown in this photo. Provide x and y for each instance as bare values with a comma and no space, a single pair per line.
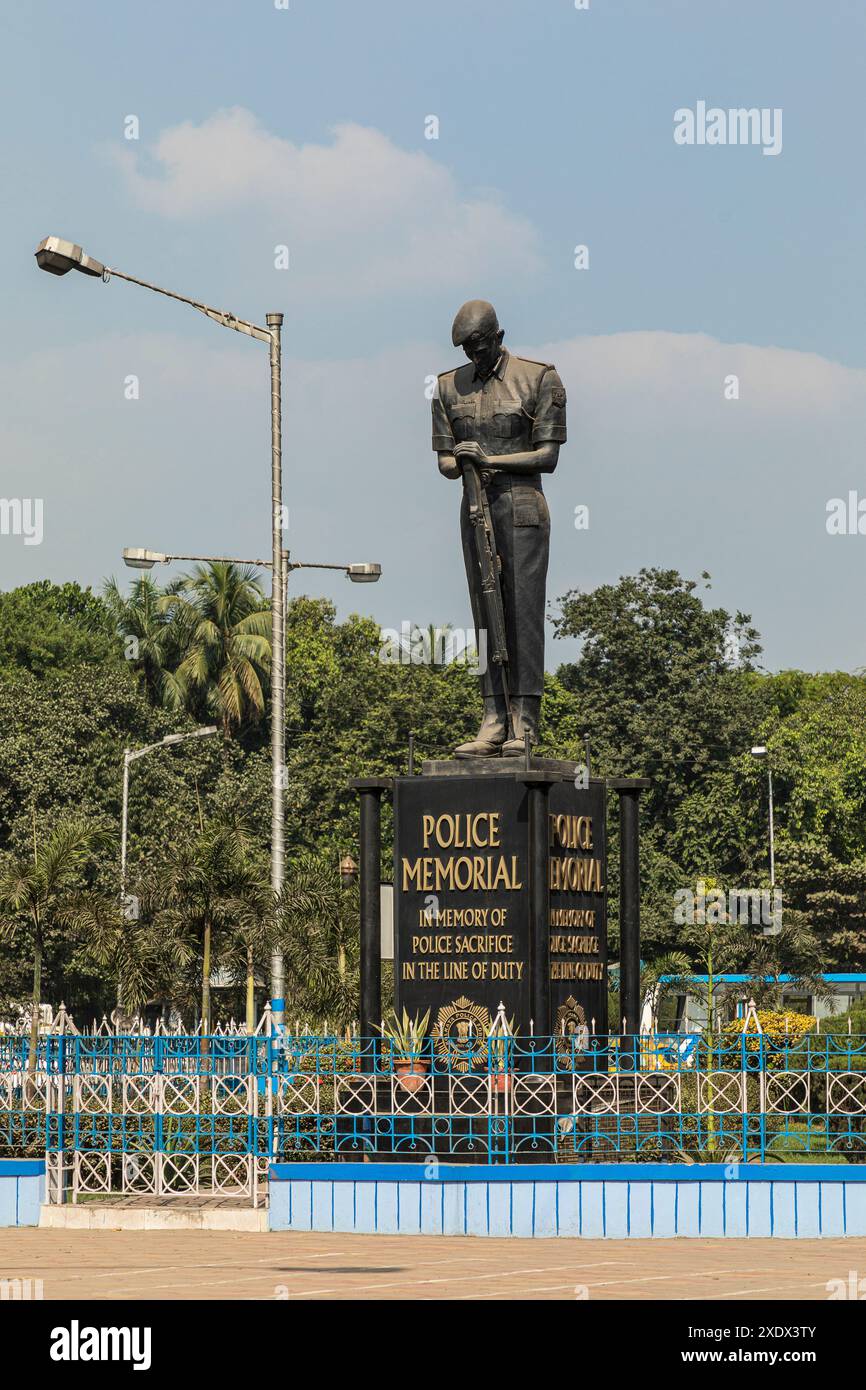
558,396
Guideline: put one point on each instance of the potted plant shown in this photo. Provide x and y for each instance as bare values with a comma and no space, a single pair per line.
406,1036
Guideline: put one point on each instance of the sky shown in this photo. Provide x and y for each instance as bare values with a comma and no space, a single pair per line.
713,342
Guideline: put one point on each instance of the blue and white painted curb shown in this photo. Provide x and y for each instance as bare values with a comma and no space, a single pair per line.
22,1191
593,1201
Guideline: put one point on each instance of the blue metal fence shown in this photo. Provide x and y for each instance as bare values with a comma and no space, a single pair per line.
170,1112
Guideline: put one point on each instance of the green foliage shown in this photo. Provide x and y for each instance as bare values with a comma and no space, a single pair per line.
48,627
653,684
151,637
317,929
43,894
405,1034
655,689
224,625
83,677
838,1024
193,899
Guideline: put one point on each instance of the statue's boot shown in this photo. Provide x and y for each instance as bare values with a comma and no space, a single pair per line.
488,742
525,710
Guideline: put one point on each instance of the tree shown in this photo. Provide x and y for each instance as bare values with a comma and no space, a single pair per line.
41,893
221,612
657,687
48,627
655,682
192,897
817,750
317,919
152,642
252,938
719,943
139,958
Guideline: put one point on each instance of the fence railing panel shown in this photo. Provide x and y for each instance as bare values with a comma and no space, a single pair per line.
181,1113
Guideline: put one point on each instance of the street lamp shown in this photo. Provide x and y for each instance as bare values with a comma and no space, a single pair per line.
761,752
57,256
348,871
130,755
137,558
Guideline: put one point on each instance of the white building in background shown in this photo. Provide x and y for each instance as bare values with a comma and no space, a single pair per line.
845,990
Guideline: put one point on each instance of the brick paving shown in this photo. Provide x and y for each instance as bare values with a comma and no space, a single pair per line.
135,1265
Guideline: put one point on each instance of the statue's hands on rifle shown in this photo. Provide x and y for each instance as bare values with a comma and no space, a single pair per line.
473,451
540,459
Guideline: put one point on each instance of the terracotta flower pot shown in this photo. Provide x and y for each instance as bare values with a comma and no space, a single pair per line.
411,1073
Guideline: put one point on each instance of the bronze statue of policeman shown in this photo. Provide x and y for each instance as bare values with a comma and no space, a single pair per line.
507,415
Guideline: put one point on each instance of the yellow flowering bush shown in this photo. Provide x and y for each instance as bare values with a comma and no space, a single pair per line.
780,1027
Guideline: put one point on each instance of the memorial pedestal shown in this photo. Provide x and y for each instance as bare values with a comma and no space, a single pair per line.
500,899
500,934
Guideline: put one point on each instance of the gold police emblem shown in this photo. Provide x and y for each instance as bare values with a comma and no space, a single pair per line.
460,1033
571,1029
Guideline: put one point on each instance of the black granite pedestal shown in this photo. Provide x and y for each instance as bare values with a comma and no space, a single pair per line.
500,926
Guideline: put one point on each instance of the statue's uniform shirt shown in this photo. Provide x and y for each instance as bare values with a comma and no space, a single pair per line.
520,405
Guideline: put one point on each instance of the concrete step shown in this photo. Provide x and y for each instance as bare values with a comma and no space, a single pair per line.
169,1215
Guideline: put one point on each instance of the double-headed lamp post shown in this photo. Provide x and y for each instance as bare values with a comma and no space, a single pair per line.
759,751
58,257
142,559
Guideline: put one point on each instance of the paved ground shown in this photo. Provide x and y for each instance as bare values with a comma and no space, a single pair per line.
228,1265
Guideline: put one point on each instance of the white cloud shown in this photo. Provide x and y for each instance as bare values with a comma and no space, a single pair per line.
673,474
359,215
685,371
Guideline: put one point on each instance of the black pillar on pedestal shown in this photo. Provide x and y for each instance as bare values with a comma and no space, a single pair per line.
370,792
538,786
629,790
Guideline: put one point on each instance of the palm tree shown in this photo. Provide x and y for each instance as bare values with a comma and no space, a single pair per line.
223,618
139,620
44,890
786,960
251,939
140,956
317,925
194,897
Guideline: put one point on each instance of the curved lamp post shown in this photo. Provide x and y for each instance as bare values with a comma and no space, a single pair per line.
131,755
58,257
